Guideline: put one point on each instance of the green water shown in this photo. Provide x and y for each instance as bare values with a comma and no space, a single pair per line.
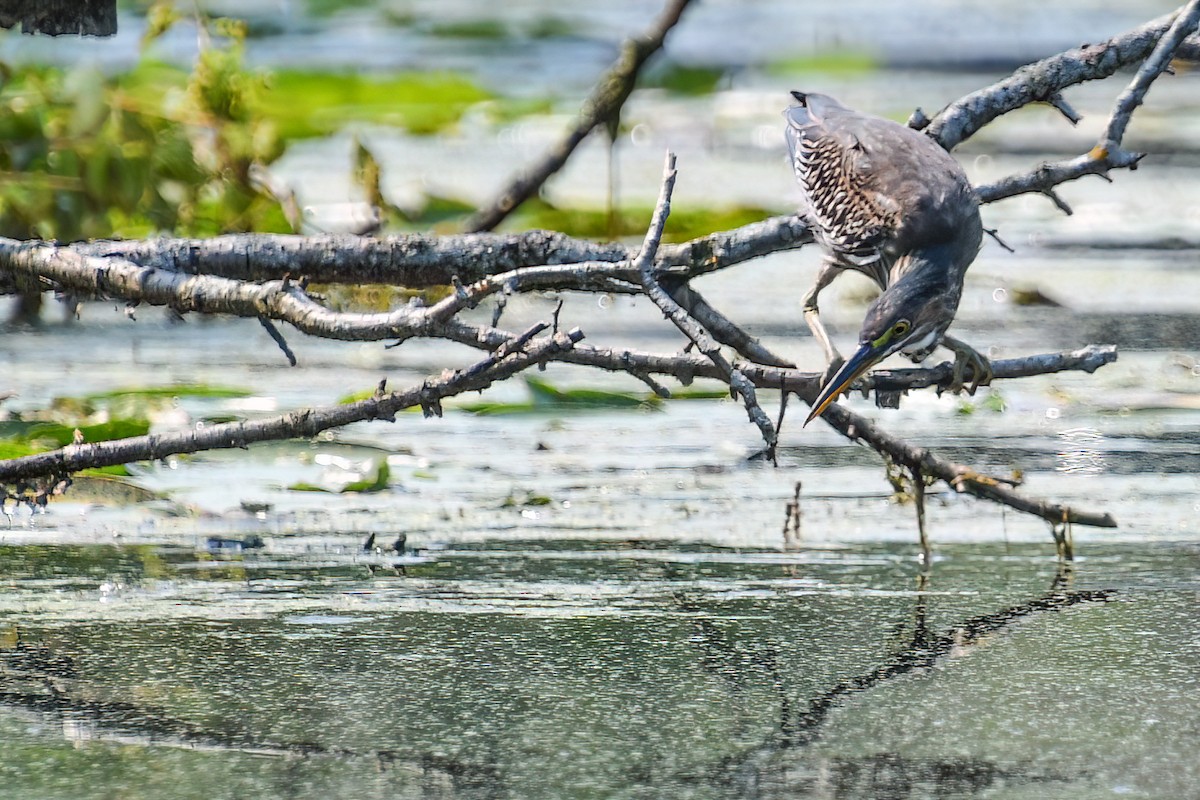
556,669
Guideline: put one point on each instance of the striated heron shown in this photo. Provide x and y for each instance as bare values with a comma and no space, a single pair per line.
887,201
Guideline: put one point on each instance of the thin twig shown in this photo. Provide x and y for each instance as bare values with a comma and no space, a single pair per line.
274,333
603,105
1185,23
738,384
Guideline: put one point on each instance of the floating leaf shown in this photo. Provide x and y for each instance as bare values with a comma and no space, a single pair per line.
683,224
94,487
842,63
687,80
525,499
170,391
59,435
377,482
546,394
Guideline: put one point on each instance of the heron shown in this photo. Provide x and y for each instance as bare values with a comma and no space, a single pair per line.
885,200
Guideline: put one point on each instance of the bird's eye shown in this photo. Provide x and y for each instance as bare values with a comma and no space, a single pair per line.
900,328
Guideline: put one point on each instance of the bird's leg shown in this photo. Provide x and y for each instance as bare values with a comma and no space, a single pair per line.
812,316
967,356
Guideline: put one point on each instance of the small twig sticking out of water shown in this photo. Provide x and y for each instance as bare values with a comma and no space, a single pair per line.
1064,537
554,317
918,481
995,235
791,522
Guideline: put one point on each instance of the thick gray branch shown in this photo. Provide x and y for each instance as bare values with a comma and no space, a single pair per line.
61,17
273,300
420,260
1108,153
1042,80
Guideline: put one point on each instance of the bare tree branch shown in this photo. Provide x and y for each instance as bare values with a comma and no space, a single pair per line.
1108,153
603,105
420,260
303,423
61,17
1042,80
857,428
1184,24
959,476
738,384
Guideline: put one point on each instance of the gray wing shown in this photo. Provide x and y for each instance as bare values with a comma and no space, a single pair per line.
835,172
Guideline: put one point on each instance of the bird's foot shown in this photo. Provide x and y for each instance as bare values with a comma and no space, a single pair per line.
968,361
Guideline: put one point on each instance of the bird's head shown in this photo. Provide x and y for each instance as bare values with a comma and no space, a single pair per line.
910,316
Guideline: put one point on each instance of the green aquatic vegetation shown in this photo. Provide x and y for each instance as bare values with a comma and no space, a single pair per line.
684,79
993,401
304,104
377,481
168,392
525,500
494,29
546,394
550,28
596,223
85,155
544,398
837,63
54,434
95,486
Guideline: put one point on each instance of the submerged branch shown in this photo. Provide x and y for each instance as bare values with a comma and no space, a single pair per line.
960,477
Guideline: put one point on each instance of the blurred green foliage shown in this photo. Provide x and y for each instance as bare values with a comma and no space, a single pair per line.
684,79
85,155
837,63
319,103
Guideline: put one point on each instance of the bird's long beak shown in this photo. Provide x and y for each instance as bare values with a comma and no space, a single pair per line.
868,355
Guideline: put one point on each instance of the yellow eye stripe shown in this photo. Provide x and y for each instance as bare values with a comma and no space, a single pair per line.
899,329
